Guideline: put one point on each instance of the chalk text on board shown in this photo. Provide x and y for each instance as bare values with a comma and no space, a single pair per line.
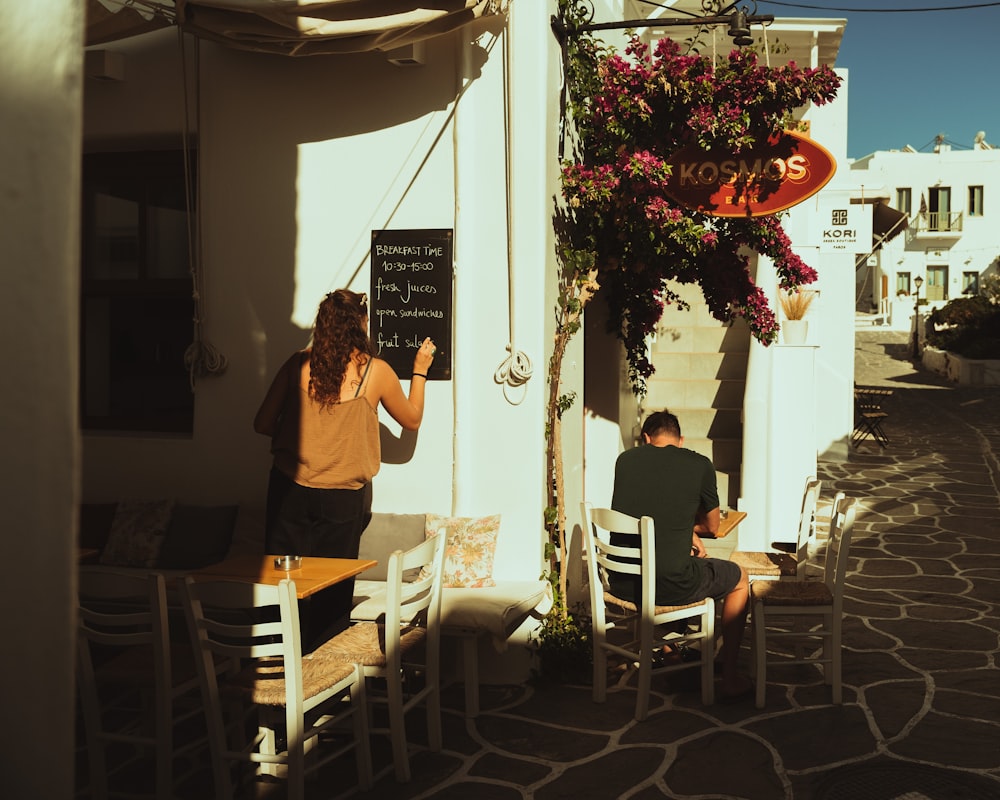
392,341
408,250
406,292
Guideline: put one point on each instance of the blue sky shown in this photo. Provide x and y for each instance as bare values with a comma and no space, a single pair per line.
916,73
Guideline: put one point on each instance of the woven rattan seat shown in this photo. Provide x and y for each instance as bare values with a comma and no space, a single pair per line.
627,605
806,593
364,643
263,683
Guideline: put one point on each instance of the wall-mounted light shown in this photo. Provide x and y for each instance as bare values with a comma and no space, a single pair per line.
104,65
409,55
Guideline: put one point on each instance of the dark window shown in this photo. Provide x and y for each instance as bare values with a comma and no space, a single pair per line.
904,200
902,283
136,305
975,201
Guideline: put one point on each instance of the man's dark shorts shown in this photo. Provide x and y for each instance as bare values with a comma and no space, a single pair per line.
718,578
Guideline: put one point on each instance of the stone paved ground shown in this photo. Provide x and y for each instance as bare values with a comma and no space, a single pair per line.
921,712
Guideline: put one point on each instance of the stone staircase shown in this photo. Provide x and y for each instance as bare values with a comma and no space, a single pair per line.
701,367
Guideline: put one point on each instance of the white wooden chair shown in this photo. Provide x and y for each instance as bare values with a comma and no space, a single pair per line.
777,564
404,647
641,624
130,677
805,612
295,698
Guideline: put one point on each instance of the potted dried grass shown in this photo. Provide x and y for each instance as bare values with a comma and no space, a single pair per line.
794,305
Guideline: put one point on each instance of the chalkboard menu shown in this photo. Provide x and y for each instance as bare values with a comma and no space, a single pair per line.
411,297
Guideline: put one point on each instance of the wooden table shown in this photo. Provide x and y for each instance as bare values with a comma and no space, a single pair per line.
728,523
314,574
722,544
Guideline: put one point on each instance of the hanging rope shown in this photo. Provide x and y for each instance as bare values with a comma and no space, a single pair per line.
516,369
200,358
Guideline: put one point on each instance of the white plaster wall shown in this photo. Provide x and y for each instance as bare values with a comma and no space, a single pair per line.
299,159
40,121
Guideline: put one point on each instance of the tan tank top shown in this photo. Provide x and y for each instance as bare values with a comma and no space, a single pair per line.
327,447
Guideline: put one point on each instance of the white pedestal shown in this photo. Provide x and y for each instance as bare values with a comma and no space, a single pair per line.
785,429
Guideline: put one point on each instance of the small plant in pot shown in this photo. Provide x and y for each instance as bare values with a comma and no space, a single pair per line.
794,305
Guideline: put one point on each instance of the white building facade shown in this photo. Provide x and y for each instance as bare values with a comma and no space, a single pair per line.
950,243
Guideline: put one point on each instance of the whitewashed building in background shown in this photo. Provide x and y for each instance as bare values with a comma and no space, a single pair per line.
950,197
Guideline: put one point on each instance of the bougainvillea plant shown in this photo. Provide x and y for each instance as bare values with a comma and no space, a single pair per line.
622,237
643,107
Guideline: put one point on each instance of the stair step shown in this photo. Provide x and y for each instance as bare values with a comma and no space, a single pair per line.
725,454
672,365
695,393
706,423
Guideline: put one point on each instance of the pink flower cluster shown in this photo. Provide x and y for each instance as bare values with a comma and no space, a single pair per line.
647,107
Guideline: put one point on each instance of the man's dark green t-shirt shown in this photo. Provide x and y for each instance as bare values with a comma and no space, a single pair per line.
670,484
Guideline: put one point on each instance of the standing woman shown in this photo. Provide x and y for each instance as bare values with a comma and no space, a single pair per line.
321,413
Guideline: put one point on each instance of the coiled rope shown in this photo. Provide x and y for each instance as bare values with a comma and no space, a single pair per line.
516,369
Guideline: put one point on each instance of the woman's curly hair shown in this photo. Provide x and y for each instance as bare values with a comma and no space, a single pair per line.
338,333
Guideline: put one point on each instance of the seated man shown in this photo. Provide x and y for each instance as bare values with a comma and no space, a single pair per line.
677,488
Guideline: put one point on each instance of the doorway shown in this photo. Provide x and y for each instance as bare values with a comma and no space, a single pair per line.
940,209
937,282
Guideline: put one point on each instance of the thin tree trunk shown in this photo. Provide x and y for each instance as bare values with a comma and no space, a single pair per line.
555,488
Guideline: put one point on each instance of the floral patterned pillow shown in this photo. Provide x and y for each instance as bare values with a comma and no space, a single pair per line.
137,533
469,550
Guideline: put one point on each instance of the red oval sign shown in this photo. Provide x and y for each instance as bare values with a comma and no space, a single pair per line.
769,178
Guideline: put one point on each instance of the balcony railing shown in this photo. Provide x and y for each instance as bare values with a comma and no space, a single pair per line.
937,222
934,228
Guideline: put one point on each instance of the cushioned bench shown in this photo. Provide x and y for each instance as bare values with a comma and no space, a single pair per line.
161,534
176,538
468,613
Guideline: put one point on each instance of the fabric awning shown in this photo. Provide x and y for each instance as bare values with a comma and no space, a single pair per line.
109,21
887,223
291,27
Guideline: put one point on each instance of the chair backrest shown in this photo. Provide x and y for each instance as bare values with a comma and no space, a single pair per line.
235,620
807,525
842,515
413,593
126,611
123,608
604,557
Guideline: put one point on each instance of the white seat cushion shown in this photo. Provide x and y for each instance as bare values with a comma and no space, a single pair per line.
497,610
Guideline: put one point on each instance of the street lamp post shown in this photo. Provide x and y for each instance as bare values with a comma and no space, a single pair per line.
917,282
